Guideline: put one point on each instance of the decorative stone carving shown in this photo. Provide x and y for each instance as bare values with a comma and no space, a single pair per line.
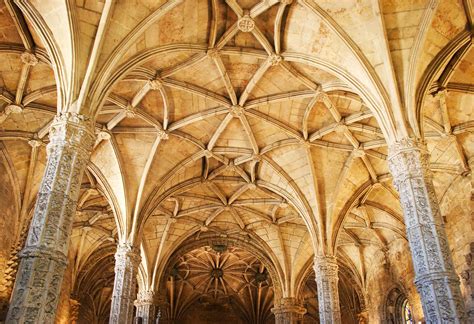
146,307
155,84
305,143
325,268
246,24
363,317
29,58
213,53
435,278
74,307
256,157
130,111
35,143
237,111
43,259
289,312
10,109
13,109
162,134
340,128
103,136
9,275
275,59
127,259
358,152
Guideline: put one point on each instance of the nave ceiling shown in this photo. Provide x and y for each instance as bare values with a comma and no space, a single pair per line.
268,121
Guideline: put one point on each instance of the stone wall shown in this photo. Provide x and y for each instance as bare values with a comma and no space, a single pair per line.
455,207
403,274
8,225
389,271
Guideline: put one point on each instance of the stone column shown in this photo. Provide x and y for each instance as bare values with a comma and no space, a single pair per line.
74,306
435,278
363,317
127,259
325,268
289,312
146,307
43,260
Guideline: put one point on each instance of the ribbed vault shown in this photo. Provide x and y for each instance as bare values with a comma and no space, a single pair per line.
266,121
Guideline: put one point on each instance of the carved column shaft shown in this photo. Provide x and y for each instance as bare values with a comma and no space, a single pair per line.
43,260
74,306
435,277
146,307
289,312
127,259
325,268
363,317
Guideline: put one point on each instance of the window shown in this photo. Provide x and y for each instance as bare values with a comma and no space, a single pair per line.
407,317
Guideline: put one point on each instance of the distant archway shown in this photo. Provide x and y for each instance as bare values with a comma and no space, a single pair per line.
397,308
199,268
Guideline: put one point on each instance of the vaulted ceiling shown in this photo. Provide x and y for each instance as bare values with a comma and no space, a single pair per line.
267,120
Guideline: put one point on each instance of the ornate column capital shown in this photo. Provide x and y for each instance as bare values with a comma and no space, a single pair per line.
289,311
147,305
408,159
325,265
127,253
145,298
73,130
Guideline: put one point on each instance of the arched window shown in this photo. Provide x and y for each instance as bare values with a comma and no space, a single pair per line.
406,313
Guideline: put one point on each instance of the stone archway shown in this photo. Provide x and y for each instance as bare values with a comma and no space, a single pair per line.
395,303
219,274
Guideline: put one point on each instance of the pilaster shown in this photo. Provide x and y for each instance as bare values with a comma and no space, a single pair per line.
43,260
435,278
127,260
289,312
325,268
